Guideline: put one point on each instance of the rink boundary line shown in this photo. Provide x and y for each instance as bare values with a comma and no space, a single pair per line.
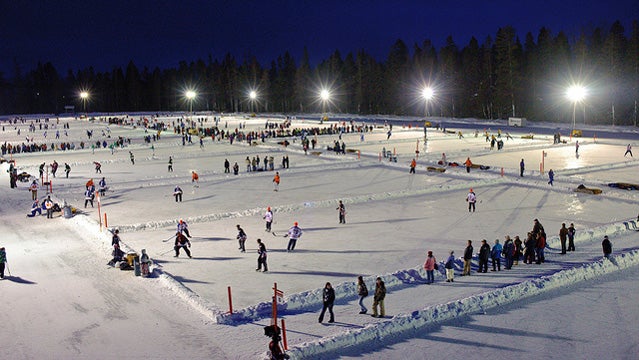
436,315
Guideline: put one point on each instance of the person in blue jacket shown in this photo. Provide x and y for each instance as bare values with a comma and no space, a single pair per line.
35,208
495,255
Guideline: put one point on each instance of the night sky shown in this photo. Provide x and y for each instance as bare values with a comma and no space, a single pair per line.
77,34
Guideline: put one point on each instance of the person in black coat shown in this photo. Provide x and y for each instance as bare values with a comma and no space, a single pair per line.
484,254
328,297
607,247
261,257
468,256
181,241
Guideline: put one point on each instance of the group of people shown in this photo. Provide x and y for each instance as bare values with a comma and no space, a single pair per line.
328,299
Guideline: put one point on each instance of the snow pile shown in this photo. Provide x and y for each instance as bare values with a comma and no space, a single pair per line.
423,319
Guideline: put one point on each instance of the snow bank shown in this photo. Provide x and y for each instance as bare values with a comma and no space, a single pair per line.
435,315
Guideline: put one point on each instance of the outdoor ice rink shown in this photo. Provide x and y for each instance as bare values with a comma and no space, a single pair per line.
393,218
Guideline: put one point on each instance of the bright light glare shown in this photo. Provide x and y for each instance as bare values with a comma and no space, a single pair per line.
325,95
427,93
576,93
190,94
84,94
253,95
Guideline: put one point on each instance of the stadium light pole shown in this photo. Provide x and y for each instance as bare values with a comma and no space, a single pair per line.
575,93
325,96
427,94
84,95
190,95
253,97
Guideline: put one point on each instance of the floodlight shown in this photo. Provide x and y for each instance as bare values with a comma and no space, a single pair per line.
428,93
325,94
576,93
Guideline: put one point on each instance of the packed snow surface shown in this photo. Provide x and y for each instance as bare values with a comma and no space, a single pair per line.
65,302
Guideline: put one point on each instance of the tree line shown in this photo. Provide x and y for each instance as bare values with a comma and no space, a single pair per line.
496,78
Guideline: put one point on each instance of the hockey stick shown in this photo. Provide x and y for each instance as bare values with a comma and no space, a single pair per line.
166,252
284,236
170,237
7,264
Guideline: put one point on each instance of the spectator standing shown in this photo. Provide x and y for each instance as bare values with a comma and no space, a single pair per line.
571,237
429,266
328,299
468,256
484,254
495,255
362,291
450,267
607,247
509,252
563,236
378,298
518,246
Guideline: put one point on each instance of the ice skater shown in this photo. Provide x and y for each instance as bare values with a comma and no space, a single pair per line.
471,199
177,193
181,242
551,177
261,256
342,212
628,151
183,228
294,233
268,217
241,238
276,181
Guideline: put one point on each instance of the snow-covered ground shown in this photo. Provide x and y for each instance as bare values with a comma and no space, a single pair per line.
64,302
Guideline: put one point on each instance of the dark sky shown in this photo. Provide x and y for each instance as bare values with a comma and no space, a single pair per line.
103,34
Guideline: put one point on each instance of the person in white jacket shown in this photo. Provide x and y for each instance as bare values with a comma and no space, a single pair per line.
294,233
471,198
268,216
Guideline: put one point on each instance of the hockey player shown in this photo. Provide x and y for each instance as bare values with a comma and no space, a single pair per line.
342,212
177,192
89,195
48,204
471,198
181,242
35,208
294,233
34,190
268,216
102,187
183,227
241,238
276,181
261,257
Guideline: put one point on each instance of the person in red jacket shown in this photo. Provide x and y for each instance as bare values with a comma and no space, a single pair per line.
429,266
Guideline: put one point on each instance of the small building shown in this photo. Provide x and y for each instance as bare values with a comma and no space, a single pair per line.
518,122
